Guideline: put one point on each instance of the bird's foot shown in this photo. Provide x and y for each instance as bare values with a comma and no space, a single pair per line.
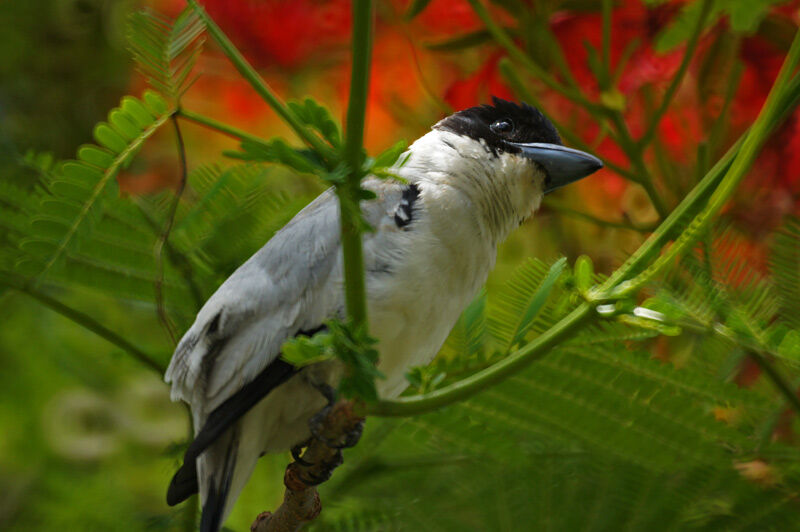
300,477
297,451
349,437
322,472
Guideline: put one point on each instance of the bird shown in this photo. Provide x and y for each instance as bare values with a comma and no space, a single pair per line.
466,185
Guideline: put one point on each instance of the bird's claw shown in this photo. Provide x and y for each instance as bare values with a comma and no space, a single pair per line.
325,471
347,440
296,452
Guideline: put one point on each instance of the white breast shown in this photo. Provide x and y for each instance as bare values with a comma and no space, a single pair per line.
444,263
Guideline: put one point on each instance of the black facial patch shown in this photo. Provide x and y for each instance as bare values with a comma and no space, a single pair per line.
501,123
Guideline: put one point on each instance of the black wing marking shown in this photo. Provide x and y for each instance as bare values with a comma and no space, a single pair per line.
405,211
184,482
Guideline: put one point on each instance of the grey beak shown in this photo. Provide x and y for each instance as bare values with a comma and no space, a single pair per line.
562,165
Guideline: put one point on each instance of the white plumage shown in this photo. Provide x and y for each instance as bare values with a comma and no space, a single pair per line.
434,243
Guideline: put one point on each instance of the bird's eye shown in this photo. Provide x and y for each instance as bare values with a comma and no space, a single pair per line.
503,126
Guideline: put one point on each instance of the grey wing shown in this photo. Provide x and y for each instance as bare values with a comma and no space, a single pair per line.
290,285
228,360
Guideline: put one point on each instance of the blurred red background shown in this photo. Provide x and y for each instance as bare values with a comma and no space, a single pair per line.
302,48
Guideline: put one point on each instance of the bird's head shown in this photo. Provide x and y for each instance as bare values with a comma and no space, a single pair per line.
521,131
505,157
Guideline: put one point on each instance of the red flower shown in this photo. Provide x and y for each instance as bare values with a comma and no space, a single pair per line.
444,18
285,33
479,87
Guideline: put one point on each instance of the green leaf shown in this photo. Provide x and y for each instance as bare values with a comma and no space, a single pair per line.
745,17
108,138
319,118
683,25
278,151
355,348
65,216
416,7
466,345
784,264
537,301
166,52
790,346
157,104
462,42
303,350
584,273
96,156
389,156
516,309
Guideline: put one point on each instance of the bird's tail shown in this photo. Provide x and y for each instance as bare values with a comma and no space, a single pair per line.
217,468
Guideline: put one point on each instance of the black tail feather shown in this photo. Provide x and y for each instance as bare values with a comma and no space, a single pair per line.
217,494
213,509
184,482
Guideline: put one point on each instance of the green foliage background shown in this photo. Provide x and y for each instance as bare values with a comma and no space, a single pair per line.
597,435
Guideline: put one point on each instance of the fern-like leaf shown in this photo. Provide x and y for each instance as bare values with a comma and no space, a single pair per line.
65,214
785,268
525,303
467,341
165,52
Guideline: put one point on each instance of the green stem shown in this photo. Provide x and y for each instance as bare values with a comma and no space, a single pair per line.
754,349
87,322
675,83
777,379
352,251
698,195
511,365
249,73
779,104
775,106
522,91
606,48
634,153
220,127
175,256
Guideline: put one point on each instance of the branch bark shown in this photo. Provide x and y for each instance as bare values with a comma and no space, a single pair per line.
301,503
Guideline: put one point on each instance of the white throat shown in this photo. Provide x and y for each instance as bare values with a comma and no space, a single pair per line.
498,191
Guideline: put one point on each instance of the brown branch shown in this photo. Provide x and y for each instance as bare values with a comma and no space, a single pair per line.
301,503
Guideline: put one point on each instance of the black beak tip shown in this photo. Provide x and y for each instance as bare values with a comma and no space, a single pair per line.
561,164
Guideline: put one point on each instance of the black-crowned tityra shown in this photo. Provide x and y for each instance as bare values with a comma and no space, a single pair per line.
468,183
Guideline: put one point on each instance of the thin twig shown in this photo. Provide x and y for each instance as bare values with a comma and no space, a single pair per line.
87,322
515,53
644,177
220,127
782,100
777,379
262,88
175,256
606,47
158,286
301,503
522,91
691,46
